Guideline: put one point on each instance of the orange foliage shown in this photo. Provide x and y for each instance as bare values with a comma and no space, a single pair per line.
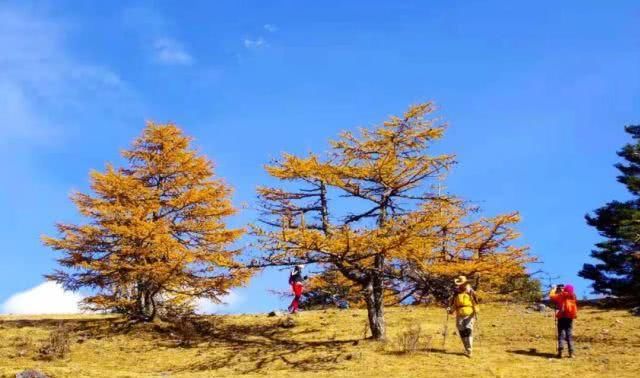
365,210
156,235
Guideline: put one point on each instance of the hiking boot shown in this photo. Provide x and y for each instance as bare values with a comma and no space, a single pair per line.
559,355
571,355
468,353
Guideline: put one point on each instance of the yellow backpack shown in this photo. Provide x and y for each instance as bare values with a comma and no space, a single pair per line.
464,304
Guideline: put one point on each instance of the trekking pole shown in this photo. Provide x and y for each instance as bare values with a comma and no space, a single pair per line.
555,329
555,320
477,331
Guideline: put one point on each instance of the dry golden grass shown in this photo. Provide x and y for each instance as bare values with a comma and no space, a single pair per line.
512,342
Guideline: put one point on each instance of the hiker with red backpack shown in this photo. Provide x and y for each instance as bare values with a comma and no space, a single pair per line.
566,311
295,280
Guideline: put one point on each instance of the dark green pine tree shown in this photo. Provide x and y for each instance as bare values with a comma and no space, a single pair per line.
618,273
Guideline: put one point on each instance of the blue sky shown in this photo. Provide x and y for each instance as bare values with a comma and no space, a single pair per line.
536,96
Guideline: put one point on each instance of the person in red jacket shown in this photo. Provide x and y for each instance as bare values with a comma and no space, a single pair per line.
566,311
295,280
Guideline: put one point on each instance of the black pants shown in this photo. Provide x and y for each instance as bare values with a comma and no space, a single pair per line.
565,333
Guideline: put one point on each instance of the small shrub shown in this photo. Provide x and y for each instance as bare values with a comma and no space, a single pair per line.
287,322
174,313
24,345
57,345
427,342
408,341
186,332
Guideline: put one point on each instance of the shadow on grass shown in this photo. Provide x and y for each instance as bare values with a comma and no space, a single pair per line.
244,348
533,353
255,348
95,328
444,351
425,351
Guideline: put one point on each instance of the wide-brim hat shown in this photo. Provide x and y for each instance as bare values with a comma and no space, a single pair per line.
460,280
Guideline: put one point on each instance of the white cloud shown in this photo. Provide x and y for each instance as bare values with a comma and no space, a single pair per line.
46,298
270,28
50,298
206,306
254,43
170,51
156,30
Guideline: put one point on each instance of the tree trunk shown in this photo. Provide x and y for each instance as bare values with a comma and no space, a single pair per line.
149,309
374,293
375,311
324,212
375,289
145,304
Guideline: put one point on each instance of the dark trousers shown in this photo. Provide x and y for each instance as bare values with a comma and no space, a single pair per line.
565,333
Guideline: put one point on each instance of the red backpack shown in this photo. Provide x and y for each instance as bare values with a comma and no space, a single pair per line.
569,308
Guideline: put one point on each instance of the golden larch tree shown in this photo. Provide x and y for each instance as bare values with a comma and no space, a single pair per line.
365,209
156,236
459,242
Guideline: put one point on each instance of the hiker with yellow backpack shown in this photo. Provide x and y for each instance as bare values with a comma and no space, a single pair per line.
566,311
464,304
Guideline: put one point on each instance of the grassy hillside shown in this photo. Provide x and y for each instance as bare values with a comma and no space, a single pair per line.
512,342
